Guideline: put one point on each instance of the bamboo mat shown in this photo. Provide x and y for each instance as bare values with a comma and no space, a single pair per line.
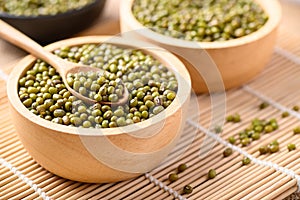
267,177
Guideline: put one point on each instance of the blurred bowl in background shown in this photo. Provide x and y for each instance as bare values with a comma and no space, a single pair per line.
49,28
214,66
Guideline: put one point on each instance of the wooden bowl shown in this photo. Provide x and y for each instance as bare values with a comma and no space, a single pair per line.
101,155
49,28
214,66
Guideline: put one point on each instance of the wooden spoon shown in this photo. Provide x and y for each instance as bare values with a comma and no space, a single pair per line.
63,67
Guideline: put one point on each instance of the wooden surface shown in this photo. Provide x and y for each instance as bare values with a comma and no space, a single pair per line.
254,181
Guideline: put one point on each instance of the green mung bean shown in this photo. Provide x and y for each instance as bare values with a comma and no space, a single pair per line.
227,152
268,129
255,136
231,140
187,189
263,150
273,148
212,174
246,161
181,168
291,147
296,130
173,177
245,141
296,108
263,105
285,114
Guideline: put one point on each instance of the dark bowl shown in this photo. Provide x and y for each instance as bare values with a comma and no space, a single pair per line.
49,28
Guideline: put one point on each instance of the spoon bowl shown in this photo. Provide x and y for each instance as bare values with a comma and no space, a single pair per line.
64,67
76,68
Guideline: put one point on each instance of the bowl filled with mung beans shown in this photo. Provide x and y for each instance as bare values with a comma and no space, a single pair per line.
47,21
223,43
100,142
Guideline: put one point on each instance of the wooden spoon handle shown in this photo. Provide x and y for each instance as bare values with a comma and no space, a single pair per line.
19,39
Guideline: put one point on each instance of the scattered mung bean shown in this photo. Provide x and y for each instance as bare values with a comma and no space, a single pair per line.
296,130
212,173
291,147
181,168
296,108
263,150
173,177
231,140
285,114
263,105
227,152
246,161
273,148
187,189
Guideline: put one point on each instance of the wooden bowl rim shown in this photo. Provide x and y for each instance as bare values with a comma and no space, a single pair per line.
272,8
168,59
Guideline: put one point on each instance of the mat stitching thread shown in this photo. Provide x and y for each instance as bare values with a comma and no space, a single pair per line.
269,164
271,101
164,187
3,75
25,179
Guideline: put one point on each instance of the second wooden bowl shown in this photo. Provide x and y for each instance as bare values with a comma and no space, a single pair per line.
214,66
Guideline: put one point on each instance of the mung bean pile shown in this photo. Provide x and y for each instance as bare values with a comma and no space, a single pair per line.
151,86
40,7
100,87
200,20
